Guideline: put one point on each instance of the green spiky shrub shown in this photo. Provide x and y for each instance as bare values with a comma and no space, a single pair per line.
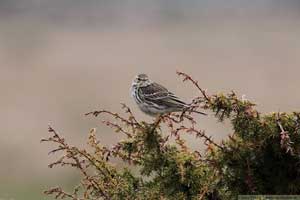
262,156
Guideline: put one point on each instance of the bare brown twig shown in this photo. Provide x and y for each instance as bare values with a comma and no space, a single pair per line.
72,154
116,116
186,77
199,134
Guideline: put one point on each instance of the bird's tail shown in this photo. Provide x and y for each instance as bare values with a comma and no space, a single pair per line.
190,108
202,113
182,105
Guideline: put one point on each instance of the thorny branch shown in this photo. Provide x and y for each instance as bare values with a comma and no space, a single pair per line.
186,77
59,193
72,154
199,134
117,128
131,121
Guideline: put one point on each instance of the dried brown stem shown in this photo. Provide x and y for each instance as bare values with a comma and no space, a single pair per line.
115,115
186,77
199,134
71,153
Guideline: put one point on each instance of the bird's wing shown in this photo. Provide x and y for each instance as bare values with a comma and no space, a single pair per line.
158,94
154,91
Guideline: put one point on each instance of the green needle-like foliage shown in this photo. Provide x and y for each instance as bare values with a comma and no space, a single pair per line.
262,156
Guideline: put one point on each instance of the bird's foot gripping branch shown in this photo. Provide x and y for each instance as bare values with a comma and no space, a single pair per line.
262,156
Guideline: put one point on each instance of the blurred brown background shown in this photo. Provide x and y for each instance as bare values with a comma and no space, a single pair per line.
62,58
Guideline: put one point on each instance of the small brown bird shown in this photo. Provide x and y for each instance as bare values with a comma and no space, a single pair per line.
154,99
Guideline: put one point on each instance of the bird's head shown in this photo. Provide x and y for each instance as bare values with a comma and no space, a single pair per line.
141,80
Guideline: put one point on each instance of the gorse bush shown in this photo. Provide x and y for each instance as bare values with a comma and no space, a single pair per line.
262,156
